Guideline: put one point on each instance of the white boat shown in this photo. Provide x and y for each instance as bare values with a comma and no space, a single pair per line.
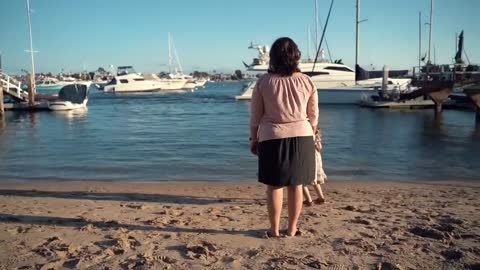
190,85
335,82
324,75
201,82
70,97
48,83
247,91
127,80
168,83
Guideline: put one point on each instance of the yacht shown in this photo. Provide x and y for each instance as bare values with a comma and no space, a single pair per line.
127,80
335,82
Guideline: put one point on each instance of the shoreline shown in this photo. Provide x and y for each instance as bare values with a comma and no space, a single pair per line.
474,182
221,225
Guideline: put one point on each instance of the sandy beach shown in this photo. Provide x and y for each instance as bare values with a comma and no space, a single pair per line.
218,225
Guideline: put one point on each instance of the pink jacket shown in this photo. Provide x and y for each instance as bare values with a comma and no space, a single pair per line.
284,107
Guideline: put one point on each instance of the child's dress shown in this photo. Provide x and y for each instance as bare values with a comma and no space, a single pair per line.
320,176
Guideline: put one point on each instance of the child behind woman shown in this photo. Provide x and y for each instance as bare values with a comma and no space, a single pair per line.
320,176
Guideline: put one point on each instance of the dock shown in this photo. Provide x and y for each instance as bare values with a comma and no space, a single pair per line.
418,103
21,100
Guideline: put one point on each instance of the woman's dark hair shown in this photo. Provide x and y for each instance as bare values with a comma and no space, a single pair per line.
284,57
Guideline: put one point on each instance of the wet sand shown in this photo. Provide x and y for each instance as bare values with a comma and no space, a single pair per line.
217,225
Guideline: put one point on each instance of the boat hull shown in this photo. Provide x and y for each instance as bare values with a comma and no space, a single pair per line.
133,88
190,85
327,96
66,105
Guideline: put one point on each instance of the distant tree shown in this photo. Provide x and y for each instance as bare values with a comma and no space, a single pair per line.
238,74
101,70
162,74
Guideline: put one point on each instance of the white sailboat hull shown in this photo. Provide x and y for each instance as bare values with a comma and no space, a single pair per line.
172,84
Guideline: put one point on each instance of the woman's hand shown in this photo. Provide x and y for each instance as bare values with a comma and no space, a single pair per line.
254,147
318,146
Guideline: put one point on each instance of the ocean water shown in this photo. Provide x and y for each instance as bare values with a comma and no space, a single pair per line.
203,135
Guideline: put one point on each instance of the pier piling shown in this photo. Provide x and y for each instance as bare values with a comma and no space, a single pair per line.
439,97
31,90
473,92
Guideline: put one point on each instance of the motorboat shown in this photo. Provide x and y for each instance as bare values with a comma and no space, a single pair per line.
54,84
70,97
200,82
128,80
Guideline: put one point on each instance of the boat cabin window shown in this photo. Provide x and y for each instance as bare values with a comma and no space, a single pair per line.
125,70
339,68
139,79
123,80
315,73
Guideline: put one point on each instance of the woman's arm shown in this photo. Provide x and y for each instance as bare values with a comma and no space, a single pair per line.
312,107
256,115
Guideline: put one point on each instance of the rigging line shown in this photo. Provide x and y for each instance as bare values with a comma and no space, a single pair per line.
177,59
323,34
326,43
466,55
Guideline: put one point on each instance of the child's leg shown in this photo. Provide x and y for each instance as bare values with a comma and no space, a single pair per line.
308,198
318,190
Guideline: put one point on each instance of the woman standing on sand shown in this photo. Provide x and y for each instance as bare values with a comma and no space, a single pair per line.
284,116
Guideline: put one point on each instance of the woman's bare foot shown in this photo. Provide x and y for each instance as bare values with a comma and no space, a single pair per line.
297,232
270,234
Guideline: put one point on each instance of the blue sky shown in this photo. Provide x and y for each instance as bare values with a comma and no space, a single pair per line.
214,34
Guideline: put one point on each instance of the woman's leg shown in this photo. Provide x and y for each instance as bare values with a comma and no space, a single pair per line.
274,205
295,200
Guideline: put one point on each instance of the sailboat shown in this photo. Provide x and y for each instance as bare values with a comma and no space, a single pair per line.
174,80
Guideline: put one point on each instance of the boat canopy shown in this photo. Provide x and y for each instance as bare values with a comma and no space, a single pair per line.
75,93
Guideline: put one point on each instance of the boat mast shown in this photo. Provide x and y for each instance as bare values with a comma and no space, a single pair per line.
316,25
430,32
419,40
169,54
32,92
357,38
308,43
175,53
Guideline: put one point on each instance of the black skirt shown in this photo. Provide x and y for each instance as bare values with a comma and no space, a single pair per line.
286,162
